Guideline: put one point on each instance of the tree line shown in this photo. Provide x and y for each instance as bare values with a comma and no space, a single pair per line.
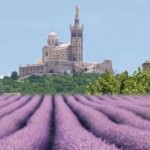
53,84
124,84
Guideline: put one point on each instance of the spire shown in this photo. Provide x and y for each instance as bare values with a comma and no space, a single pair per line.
76,21
77,10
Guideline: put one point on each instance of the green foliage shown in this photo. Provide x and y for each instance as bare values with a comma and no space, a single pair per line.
1,87
107,84
124,83
14,75
55,84
137,83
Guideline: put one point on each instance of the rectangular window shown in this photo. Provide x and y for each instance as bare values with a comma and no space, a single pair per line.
73,34
79,34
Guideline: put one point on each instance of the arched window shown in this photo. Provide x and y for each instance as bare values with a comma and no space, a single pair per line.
46,54
49,42
51,71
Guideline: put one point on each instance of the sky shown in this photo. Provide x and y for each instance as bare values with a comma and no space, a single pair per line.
118,30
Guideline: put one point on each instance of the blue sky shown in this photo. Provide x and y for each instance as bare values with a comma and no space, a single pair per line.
113,29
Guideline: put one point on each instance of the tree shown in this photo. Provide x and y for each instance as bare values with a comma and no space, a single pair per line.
137,83
6,77
1,87
14,75
125,81
106,84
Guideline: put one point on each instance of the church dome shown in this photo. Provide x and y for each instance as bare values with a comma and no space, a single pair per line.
52,39
52,35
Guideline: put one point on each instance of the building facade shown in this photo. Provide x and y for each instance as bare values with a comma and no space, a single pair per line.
58,57
146,66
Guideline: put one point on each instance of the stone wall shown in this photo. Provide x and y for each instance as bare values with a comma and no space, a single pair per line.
32,69
56,53
60,66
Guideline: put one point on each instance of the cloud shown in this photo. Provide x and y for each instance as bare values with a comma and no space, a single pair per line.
1,76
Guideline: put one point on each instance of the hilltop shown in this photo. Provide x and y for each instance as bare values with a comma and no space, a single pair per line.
54,84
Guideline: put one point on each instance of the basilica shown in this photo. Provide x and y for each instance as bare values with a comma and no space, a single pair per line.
60,58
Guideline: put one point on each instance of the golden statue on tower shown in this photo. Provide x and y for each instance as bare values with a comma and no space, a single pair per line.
77,9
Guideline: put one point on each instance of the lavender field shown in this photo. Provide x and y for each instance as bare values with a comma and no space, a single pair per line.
74,122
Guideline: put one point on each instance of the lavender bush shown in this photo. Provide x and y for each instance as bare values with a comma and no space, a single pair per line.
9,101
14,106
123,116
139,110
70,135
36,134
74,122
101,126
3,97
18,119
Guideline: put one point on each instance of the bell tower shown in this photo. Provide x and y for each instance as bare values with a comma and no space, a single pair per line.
76,38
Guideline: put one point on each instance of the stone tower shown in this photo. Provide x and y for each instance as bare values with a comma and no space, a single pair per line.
77,39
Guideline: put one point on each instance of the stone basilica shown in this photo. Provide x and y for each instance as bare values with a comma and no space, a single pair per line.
65,58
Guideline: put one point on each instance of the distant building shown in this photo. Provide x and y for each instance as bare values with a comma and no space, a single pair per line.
11,94
146,66
65,58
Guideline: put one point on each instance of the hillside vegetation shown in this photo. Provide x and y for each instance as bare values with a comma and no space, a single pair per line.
122,84
106,84
55,84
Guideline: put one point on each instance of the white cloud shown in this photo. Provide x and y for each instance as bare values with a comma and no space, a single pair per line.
1,76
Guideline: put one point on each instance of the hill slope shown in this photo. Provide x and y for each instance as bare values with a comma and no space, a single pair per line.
56,84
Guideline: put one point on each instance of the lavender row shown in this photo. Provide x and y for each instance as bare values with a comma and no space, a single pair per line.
138,100
142,101
122,136
9,101
18,119
3,97
101,99
132,100
14,106
141,111
36,134
118,115
70,135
